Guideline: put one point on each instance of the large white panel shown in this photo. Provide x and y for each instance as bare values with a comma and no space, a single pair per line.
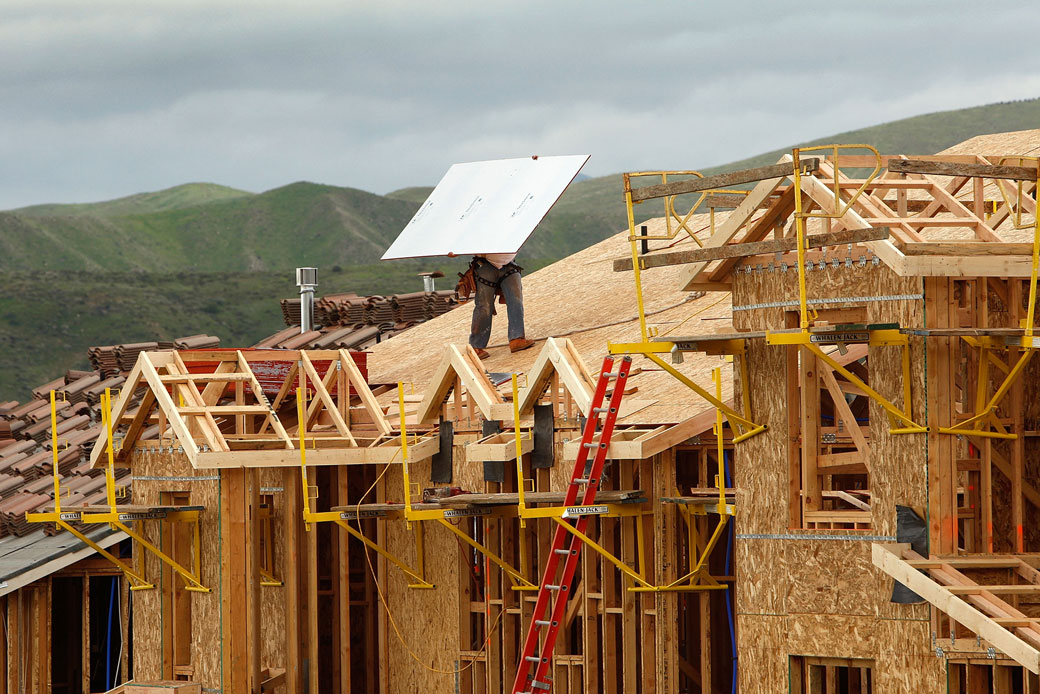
486,206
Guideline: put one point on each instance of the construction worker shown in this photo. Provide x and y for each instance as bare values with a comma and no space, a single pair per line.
496,273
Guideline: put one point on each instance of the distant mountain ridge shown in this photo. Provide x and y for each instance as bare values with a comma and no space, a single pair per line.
205,227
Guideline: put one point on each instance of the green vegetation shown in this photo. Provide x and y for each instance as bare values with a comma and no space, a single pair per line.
207,258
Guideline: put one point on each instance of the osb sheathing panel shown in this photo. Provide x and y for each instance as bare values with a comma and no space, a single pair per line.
582,298
205,607
830,577
899,649
428,619
760,576
1023,142
763,654
272,598
838,636
898,462
761,472
838,283
905,662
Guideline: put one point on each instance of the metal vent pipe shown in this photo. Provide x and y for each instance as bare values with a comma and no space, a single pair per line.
306,280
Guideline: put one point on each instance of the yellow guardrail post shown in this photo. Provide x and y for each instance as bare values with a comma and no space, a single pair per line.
404,458
54,452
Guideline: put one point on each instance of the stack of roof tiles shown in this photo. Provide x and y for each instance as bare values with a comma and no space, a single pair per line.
111,360
349,321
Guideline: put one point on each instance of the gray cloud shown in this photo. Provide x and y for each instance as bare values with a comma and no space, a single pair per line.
113,97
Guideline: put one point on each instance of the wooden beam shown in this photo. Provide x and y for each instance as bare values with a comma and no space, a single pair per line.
743,250
368,399
966,249
941,168
723,200
695,185
166,404
560,357
325,398
735,221
888,558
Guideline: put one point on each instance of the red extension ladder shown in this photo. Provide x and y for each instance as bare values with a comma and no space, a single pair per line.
584,481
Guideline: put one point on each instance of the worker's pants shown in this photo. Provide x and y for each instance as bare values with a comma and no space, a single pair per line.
484,302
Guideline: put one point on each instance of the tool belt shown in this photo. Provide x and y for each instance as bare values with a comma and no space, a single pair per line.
467,285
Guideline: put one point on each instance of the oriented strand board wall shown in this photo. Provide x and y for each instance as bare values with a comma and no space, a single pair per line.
153,473
272,598
428,620
823,597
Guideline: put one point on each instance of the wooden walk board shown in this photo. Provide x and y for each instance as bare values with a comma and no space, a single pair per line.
742,250
734,178
552,498
205,378
963,332
943,168
689,343
220,410
698,500
385,507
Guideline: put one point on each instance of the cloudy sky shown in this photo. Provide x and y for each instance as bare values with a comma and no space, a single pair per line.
106,98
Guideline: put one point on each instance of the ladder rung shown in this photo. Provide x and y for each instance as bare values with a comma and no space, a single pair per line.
600,410
584,480
550,586
542,685
610,374
532,659
563,552
543,622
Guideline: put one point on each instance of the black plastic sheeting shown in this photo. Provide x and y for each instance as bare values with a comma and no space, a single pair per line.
910,528
440,466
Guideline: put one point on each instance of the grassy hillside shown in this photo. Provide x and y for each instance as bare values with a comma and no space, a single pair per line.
207,258
178,197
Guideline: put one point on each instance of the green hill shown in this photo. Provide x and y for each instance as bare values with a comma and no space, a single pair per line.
206,258
178,197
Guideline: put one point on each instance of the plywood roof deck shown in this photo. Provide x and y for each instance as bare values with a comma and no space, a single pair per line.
582,298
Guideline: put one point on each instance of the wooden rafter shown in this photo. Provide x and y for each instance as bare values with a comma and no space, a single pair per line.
223,409
977,607
558,357
460,366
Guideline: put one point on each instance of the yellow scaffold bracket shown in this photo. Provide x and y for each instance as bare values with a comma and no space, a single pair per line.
117,520
986,410
310,516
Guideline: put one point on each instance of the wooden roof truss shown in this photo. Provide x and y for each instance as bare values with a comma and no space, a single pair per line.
213,405
938,223
982,609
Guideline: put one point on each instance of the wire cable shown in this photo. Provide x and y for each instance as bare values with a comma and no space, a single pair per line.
386,606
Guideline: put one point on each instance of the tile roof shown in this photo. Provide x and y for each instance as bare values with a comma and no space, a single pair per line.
344,321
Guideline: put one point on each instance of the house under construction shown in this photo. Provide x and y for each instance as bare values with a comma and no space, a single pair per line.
787,445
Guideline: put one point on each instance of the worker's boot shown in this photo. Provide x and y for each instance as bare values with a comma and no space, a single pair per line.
482,353
519,344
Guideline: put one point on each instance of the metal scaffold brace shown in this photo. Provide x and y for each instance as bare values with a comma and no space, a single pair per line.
741,423
341,515
118,518
699,577
986,407
809,339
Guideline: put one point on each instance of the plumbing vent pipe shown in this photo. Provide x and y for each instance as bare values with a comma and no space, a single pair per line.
306,280
428,278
